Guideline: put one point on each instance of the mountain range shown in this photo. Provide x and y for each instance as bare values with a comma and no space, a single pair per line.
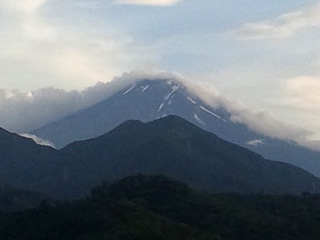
170,146
148,100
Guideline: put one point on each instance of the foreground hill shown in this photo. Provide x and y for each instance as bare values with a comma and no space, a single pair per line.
170,146
157,208
16,200
149,100
176,148
21,160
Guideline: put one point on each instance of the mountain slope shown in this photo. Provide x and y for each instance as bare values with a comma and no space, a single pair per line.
170,146
22,160
178,149
16,200
149,100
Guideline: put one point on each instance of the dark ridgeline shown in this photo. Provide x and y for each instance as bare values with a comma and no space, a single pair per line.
169,146
149,100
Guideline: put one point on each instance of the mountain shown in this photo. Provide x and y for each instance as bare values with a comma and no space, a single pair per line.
176,148
158,208
170,146
149,100
12,199
21,160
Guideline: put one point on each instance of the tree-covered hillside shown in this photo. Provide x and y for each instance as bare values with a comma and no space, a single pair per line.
154,207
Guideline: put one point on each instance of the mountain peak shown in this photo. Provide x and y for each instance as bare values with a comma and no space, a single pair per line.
154,98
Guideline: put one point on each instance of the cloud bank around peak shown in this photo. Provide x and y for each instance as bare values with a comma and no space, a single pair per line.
262,122
284,26
23,112
162,3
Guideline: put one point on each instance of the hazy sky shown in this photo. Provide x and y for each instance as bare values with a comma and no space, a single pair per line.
263,53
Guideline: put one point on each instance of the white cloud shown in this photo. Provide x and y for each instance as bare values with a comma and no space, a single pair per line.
149,2
284,26
300,102
304,92
38,140
23,6
255,143
39,49
262,122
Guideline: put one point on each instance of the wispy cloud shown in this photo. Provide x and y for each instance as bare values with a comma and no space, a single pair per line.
255,143
284,26
38,140
148,2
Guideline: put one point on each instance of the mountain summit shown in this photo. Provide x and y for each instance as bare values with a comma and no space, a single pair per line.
148,100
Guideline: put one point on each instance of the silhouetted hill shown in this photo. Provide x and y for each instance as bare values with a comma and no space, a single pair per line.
22,161
176,148
16,200
170,146
158,208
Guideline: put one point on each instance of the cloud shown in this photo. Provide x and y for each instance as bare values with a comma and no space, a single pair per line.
304,93
149,2
284,26
255,143
23,6
38,140
300,102
24,111
262,122
37,48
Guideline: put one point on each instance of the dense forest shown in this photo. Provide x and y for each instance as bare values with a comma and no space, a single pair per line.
155,207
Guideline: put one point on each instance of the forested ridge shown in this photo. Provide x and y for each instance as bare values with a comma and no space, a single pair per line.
155,207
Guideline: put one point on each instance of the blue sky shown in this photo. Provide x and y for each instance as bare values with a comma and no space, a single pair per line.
265,54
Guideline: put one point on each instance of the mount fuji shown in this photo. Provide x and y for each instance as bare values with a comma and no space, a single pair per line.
147,100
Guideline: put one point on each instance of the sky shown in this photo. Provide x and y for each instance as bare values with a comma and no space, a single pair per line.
264,54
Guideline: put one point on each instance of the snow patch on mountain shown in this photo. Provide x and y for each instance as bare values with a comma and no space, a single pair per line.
160,107
198,119
191,100
129,90
208,111
145,89
174,89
